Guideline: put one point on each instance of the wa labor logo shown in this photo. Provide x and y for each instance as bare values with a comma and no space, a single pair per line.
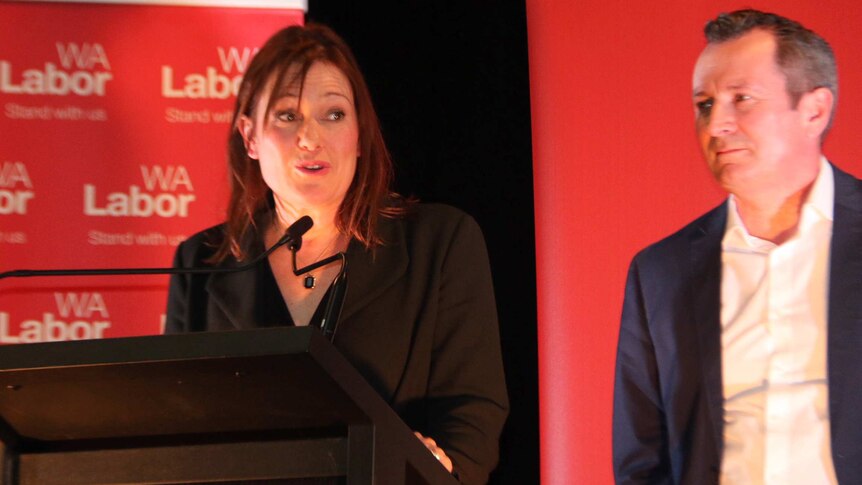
211,83
79,316
83,70
16,188
167,192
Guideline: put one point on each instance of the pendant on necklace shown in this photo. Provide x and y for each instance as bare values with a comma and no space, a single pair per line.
309,281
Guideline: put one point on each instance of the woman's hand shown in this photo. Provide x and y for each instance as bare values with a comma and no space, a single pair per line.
435,450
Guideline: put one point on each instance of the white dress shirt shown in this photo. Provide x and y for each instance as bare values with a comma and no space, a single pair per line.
773,346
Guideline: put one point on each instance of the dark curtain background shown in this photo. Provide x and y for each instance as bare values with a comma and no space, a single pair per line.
450,83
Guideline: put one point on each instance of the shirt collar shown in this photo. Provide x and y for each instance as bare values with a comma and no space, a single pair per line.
821,199
817,206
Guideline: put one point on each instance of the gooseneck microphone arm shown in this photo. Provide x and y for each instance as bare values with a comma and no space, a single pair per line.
292,238
338,288
291,235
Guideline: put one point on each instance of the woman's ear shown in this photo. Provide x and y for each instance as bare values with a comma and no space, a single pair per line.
246,128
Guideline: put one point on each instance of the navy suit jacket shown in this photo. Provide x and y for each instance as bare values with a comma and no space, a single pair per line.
668,402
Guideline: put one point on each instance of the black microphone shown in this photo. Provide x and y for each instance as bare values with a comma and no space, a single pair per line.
293,235
292,238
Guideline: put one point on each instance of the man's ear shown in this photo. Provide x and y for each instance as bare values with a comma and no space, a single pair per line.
816,108
246,128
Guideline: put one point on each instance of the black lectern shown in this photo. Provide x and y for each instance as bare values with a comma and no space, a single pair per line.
277,405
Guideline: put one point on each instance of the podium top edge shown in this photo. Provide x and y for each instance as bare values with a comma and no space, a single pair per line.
159,348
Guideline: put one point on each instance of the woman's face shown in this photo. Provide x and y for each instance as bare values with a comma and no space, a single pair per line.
307,148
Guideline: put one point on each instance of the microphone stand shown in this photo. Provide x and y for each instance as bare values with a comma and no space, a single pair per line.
26,273
292,238
338,288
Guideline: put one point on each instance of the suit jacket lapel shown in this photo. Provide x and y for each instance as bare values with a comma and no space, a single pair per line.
234,294
251,298
705,280
370,273
845,311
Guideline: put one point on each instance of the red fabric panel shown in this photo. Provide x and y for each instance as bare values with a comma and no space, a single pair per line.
113,125
616,167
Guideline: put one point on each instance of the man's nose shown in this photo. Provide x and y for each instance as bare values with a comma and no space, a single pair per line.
722,120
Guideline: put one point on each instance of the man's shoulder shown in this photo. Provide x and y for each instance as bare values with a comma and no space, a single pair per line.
709,225
845,182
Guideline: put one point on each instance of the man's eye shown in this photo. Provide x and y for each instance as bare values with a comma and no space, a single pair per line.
335,115
741,97
704,108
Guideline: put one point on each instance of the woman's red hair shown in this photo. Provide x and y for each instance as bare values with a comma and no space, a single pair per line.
369,195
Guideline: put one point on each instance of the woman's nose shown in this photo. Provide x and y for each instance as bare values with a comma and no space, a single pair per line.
308,136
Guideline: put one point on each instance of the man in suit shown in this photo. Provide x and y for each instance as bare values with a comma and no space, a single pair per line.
740,351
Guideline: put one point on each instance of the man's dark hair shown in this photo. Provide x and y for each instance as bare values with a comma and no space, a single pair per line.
804,57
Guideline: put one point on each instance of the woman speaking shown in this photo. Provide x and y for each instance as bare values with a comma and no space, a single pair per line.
419,320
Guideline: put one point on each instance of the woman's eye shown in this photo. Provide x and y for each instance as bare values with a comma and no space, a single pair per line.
286,116
335,115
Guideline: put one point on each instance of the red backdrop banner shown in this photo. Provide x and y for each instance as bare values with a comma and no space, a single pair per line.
113,135
616,167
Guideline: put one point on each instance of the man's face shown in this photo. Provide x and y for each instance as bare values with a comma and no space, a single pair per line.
754,141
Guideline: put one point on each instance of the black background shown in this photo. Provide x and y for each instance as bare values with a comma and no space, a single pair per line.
451,86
